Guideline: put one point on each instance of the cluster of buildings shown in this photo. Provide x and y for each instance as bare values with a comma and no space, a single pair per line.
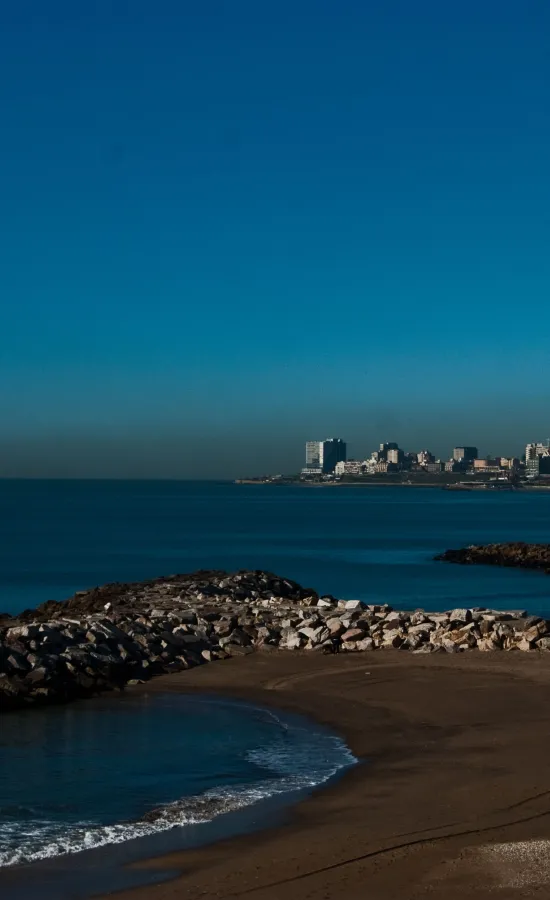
329,458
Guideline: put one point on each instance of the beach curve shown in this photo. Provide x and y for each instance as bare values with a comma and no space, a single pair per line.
458,771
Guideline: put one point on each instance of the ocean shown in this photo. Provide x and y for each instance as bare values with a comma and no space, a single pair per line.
376,544
88,775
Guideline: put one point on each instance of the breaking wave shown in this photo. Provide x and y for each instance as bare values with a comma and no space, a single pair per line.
297,758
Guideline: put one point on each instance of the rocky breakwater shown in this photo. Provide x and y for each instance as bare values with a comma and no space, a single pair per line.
515,555
127,633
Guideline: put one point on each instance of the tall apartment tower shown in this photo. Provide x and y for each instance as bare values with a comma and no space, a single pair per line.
465,453
389,445
313,455
395,456
538,449
334,450
537,459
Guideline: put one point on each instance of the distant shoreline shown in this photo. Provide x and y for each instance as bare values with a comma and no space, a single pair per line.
442,485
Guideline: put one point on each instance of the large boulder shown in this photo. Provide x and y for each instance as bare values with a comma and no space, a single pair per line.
353,635
290,639
460,616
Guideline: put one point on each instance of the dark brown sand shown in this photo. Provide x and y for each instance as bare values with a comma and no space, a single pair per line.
452,799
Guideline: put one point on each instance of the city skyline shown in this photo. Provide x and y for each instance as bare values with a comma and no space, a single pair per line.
458,451
329,459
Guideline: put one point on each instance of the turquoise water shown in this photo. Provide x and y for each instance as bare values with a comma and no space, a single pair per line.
90,774
375,544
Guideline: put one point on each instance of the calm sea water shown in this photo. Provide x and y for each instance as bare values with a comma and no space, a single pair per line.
376,544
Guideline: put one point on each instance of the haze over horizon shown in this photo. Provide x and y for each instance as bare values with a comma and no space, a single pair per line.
231,228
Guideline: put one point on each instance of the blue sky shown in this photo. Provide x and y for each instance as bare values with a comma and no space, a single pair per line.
228,227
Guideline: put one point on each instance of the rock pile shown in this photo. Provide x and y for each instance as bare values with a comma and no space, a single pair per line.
125,634
517,555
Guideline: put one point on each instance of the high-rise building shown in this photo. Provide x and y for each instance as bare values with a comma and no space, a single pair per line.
333,451
389,445
464,453
537,459
313,455
538,465
394,455
322,456
538,449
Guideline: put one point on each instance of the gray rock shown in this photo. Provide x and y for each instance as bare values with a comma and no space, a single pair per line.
290,639
424,628
366,643
37,676
394,619
525,645
353,605
325,602
313,634
22,632
461,616
419,617
18,662
393,639
450,646
414,641
353,635
171,637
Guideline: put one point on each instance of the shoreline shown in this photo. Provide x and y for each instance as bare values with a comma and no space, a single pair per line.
457,751
115,864
445,780
442,485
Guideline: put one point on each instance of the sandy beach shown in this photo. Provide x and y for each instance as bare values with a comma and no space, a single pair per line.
451,798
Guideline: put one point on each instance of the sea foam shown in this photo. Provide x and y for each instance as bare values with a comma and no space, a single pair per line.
297,759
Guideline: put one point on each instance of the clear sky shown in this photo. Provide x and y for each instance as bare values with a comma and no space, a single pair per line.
229,227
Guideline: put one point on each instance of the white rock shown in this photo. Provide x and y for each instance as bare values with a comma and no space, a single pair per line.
365,644
394,617
450,646
290,639
311,633
460,615
424,628
525,645
353,604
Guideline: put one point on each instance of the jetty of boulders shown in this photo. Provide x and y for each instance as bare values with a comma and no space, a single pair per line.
516,555
121,634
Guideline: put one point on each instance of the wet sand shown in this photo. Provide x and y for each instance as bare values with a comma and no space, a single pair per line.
452,798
